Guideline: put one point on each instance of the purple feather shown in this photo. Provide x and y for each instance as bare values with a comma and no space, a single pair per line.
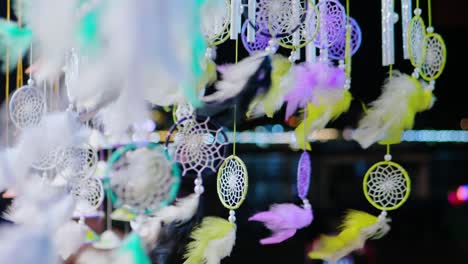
311,78
304,170
283,220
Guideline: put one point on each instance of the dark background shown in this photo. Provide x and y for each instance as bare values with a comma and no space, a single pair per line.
427,229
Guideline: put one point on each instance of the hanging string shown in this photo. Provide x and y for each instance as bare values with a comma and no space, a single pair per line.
429,11
417,3
305,129
109,203
235,106
19,68
348,43
388,149
390,73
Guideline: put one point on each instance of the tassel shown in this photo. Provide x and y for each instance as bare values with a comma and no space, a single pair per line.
312,82
283,220
212,241
394,111
274,99
69,238
355,230
241,82
14,39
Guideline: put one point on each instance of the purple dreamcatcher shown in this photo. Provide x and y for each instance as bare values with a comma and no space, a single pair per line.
304,171
262,40
337,50
285,219
199,144
332,23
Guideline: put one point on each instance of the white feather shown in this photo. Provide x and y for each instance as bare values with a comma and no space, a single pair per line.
69,238
148,229
235,77
392,102
94,256
184,209
220,248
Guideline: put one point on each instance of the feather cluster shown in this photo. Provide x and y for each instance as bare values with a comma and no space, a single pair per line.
356,229
394,111
13,40
283,220
212,241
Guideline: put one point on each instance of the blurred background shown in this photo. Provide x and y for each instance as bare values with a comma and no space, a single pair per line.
430,228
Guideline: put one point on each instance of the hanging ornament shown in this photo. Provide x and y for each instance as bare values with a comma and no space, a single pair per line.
261,42
200,145
88,194
77,162
285,219
389,18
232,183
332,22
141,178
215,20
338,50
27,106
415,37
46,161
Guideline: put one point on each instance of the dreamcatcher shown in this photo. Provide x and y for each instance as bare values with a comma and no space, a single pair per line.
27,106
215,19
416,35
285,219
76,163
88,194
337,50
332,23
198,146
141,179
262,40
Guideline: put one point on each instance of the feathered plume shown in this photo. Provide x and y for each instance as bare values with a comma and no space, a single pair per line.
355,230
313,83
15,40
131,251
394,111
283,220
179,221
69,238
212,241
240,83
274,99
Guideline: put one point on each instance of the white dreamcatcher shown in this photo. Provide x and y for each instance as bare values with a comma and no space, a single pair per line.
77,163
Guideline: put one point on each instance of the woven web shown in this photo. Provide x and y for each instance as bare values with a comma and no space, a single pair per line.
27,106
338,49
416,35
232,182
434,60
142,180
215,19
306,32
303,175
88,194
285,16
46,160
199,145
387,186
332,22
184,110
261,40
77,163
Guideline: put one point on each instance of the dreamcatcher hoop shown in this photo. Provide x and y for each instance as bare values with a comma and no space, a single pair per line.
435,57
27,106
88,194
77,163
232,182
304,171
121,193
416,35
199,145
46,161
262,40
386,185
332,22
300,37
210,17
338,50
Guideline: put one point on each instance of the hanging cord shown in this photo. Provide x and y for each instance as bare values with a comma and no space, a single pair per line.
348,45
235,106
417,3
109,203
7,78
19,68
390,73
429,11
305,129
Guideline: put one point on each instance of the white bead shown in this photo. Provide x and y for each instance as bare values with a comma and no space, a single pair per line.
417,11
291,59
415,75
268,49
232,219
199,189
349,27
388,157
348,82
232,212
198,181
30,82
307,206
430,30
395,17
271,42
347,86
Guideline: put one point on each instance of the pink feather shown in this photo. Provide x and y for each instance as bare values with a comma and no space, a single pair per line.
283,220
307,80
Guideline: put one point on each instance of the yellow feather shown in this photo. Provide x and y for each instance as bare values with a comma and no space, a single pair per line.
350,238
211,228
